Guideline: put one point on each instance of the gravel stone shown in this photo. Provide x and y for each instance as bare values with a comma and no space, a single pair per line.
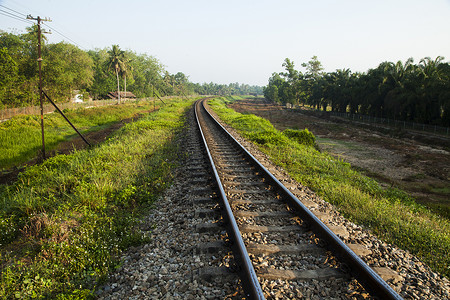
168,266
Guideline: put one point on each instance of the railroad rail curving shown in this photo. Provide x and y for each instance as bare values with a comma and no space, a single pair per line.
245,177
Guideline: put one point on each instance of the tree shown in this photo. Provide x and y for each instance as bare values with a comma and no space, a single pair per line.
310,85
292,74
293,78
314,68
9,71
126,71
444,92
401,90
182,82
432,85
116,63
102,83
146,74
66,68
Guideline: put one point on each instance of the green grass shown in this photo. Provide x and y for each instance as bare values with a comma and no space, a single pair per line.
389,213
21,139
65,221
441,190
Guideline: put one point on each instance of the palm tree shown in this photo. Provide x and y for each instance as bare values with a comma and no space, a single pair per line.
116,62
430,77
126,71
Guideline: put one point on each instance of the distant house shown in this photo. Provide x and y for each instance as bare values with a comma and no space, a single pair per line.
77,97
113,95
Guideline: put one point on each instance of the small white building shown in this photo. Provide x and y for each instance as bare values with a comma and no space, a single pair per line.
78,97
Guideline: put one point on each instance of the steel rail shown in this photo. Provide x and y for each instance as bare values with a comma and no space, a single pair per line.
371,281
250,282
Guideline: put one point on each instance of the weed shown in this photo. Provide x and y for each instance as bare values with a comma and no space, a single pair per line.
304,136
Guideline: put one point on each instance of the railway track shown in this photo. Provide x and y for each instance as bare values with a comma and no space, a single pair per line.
280,249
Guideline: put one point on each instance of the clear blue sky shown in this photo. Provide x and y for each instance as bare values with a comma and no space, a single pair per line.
246,41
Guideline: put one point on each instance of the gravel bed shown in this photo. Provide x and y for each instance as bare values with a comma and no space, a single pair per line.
267,221
257,207
314,289
274,238
294,262
168,266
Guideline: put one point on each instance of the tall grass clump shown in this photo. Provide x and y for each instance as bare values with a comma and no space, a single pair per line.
389,213
64,222
20,137
304,136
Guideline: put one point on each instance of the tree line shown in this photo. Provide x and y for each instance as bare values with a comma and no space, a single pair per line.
227,89
402,91
94,73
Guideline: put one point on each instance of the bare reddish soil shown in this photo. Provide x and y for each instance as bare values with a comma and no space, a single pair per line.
421,169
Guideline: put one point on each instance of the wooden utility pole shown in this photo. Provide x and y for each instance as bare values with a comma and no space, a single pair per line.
153,95
41,95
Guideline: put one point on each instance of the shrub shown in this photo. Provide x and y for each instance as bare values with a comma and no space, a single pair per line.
304,136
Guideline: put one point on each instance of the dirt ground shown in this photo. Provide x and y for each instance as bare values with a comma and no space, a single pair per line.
421,169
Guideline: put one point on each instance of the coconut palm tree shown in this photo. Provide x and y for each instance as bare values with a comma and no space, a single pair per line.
116,62
126,71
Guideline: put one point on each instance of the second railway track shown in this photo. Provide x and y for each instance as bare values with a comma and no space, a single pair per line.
281,250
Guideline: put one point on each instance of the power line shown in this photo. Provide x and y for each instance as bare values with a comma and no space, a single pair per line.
14,11
21,7
64,36
12,16
17,16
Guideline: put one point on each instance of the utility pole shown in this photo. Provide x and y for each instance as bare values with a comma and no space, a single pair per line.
154,100
41,95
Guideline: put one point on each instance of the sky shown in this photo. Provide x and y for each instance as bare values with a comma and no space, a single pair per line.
246,41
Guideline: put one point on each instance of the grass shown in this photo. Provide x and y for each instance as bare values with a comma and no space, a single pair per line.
390,213
64,222
441,190
21,140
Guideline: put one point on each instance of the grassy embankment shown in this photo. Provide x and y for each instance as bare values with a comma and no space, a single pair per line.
20,137
390,213
65,221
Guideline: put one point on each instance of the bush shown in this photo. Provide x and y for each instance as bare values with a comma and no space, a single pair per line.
304,136
264,138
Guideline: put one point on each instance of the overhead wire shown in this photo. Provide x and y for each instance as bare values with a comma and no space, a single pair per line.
14,11
63,35
20,7
13,16
18,16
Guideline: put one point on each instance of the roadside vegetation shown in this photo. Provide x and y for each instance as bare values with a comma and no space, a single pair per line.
21,138
389,213
64,222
